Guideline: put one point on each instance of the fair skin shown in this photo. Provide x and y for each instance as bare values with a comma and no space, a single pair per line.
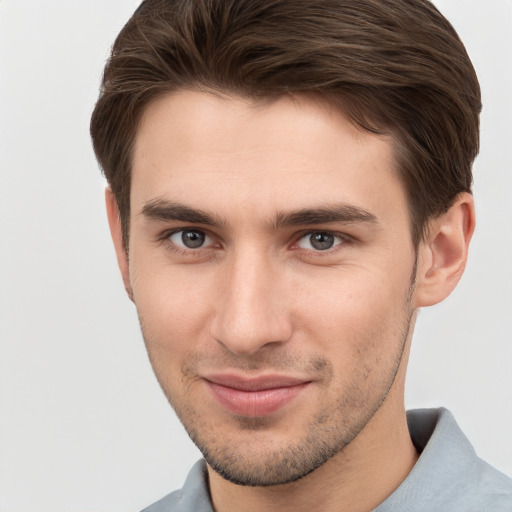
271,263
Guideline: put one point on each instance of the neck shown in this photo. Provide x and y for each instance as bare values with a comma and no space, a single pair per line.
357,479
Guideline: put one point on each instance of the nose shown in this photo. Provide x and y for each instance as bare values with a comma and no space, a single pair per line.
252,311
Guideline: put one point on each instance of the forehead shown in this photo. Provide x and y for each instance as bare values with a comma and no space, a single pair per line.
294,152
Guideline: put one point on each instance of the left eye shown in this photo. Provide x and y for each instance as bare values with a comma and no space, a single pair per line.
190,238
319,241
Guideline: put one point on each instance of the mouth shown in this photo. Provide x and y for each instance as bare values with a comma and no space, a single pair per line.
254,397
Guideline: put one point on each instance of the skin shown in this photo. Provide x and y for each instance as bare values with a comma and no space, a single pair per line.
256,298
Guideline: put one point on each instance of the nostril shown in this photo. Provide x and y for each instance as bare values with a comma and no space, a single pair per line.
244,335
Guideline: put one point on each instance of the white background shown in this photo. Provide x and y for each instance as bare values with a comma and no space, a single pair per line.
83,424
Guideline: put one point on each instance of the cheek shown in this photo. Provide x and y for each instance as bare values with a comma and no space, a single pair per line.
170,312
173,307
353,298
357,320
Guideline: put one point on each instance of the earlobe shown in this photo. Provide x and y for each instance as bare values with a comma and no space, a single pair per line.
442,257
114,221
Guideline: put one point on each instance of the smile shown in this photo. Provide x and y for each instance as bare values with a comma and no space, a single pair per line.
254,397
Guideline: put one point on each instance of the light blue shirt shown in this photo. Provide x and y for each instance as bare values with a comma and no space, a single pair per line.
448,476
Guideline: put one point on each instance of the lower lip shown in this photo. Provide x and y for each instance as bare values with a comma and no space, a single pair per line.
254,403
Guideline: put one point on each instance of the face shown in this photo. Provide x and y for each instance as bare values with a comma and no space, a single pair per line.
271,263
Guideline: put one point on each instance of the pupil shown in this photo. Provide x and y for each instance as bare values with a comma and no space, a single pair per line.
322,241
192,239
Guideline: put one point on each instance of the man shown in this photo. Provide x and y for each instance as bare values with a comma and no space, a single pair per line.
289,182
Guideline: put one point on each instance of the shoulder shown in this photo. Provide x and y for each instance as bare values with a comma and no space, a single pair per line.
448,476
194,496
168,503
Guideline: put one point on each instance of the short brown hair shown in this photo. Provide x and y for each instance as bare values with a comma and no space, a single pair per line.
392,66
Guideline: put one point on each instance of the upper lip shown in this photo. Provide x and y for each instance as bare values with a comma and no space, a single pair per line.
244,383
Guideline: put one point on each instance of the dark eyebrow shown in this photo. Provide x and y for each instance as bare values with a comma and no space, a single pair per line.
332,213
163,210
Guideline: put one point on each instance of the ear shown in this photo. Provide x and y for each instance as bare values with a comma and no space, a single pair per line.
442,257
114,221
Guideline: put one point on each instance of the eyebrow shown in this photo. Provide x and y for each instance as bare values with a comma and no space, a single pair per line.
337,212
164,210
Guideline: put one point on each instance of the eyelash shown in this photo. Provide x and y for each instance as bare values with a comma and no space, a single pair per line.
166,240
343,239
339,236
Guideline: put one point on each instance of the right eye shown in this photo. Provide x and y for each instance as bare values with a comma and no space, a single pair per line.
320,241
190,239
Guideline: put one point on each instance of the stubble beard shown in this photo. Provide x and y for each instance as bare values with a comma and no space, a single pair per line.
327,434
